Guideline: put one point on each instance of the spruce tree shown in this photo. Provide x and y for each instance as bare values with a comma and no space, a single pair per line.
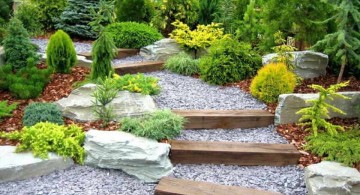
344,44
103,51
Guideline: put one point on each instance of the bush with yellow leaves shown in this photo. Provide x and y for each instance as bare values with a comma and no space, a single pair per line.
139,83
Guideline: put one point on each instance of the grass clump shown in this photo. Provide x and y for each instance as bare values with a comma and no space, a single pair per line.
183,63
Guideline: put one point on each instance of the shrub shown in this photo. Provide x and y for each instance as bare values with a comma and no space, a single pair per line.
49,11
42,112
132,34
5,109
60,52
17,45
207,11
139,83
228,61
343,147
103,52
134,10
30,15
271,81
47,137
316,114
182,63
162,124
5,10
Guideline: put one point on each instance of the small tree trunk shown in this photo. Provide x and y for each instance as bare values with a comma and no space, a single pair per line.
343,63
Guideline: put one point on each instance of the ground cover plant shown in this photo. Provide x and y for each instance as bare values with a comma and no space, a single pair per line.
6,109
182,63
138,83
42,112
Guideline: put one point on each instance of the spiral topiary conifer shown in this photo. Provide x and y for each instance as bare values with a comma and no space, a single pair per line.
103,52
60,52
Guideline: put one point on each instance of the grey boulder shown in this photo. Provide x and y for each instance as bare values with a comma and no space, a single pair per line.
331,178
144,158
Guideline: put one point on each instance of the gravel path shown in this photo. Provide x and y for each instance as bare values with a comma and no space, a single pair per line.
79,47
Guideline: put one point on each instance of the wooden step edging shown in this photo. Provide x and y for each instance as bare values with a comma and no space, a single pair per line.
141,67
173,186
226,119
233,153
121,53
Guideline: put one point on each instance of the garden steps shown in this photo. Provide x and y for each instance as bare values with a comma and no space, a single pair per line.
233,153
122,53
226,119
173,186
140,67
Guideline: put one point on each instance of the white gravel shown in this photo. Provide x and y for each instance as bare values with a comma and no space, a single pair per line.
79,47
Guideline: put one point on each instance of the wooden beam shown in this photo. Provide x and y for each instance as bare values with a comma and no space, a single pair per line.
233,153
173,186
121,53
226,119
140,67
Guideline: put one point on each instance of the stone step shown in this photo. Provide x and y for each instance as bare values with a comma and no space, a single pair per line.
233,153
122,53
226,119
173,186
141,67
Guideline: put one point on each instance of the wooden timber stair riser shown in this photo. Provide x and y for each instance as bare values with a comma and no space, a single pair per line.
173,186
233,153
141,67
121,53
226,119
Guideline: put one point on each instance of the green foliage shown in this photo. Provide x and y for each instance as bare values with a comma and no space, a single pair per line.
105,92
227,15
343,147
316,114
169,11
207,11
5,10
138,83
49,10
103,52
60,52
200,38
271,81
30,15
161,124
42,112
46,137
103,16
5,109
229,61
182,63
134,10
17,45
132,34
283,52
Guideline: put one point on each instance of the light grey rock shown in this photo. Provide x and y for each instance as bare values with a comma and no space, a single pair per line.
308,64
289,104
2,56
331,178
78,105
81,60
18,166
144,158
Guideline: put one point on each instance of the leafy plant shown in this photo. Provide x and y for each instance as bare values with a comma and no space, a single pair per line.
138,83
5,109
229,61
182,63
30,15
283,51
271,81
200,38
161,124
103,52
207,10
46,137
105,92
316,114
132,34
343,147
49,10
134,10
103,16
42,112
60,52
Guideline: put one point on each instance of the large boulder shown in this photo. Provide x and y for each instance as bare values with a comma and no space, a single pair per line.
308,64
331,178
289,104
79,104
144,158
18,166
161,50
2,56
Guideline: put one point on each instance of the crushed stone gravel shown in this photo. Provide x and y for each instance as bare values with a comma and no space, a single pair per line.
79,47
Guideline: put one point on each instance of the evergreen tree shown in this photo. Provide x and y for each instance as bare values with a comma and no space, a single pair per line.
207,11
5,10
134,10
344,44
103,52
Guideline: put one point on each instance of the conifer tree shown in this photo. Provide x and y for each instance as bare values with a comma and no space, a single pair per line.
134,10
207,11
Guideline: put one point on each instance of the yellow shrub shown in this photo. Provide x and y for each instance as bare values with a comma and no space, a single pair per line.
271,81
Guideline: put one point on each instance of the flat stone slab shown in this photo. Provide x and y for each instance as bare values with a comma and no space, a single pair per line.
81,60
18,166
78,105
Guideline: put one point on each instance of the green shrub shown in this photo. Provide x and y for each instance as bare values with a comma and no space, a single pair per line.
42,112
134,10
49,11
30,15
138,83
5,109
46,137
60,52
207,11
162,124
182,63
343,147
17,45
103,16
103,52
271,81
5,10
228,61
132,34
